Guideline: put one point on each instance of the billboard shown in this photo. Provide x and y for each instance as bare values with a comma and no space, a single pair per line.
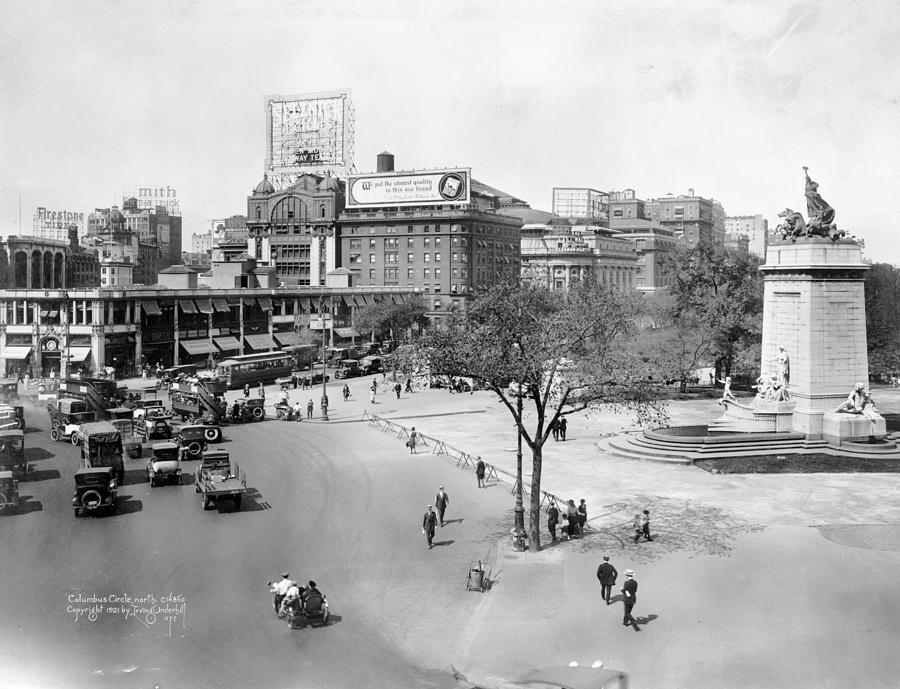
426,188
309,132
151,197
49,224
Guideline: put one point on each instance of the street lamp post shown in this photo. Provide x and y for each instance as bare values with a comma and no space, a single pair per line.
324,401
520,508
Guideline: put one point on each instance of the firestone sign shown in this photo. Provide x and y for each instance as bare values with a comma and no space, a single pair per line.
427,188
57,219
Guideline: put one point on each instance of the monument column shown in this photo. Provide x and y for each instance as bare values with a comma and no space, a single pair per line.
814,307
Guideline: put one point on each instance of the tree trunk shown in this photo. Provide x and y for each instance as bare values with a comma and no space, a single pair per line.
534,526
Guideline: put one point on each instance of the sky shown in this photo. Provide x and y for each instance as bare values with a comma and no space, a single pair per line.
730,99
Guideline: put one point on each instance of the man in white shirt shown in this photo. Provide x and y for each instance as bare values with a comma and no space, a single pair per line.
280,590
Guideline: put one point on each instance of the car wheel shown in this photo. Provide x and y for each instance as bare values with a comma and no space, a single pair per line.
73,439
55,435
259,413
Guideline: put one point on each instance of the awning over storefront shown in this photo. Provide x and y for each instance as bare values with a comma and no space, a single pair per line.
17,352
78,353
347,332
261,341
348,300
204,305
187,306
265,303
195,347
228,343
151,308
221,305
287,339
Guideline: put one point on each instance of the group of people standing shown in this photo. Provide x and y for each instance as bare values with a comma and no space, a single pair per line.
574,516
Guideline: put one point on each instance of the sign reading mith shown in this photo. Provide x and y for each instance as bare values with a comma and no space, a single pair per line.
427,188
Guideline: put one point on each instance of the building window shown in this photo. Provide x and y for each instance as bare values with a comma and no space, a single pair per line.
410,273
390,243
410,242
372,241
355,258
427,258
410,258
437,303
390,256
409,229
455,256
371,273
371,258
437,241
427,241
437,257
391,273
437,273
424,228
455,272
426,273
355,243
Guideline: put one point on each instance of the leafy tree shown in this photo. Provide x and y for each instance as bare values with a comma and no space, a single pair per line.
883,317
724,292
674,341
389,319
565,351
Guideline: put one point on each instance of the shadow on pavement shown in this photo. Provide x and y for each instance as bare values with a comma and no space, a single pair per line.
27,505
126,505
437,543
36,454
135,476
253,501
43,475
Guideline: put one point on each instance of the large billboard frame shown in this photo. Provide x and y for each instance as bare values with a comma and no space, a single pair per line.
309,132
415,188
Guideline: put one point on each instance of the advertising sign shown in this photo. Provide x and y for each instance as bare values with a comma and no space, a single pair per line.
426,188
50,224
309,132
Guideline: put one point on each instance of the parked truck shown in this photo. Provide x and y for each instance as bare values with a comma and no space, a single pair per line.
218,482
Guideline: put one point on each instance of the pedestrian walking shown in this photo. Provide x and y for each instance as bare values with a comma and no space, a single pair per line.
246,390
572,519
479,473
374,386
309,408
645,527
607,574
637,526
629,590
261,391
409,385
441,500
554,429
413,438
582,516
429,522
397,389
346,392
561,425
372,395
552,519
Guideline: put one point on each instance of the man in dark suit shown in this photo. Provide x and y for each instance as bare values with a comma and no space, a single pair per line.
429,522
629,590
607,574
441,500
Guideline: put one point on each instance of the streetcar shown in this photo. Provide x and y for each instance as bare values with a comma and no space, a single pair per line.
264,367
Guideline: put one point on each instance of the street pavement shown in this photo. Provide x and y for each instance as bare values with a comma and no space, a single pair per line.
752,580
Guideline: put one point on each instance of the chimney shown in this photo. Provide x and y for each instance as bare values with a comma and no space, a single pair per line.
690,191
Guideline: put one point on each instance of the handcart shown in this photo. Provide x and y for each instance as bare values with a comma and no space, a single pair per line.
476,580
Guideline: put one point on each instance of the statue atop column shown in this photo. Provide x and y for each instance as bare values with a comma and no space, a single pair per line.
821,217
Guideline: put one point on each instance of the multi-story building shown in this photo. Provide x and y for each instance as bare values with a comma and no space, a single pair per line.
108,229
652,243
201,243
755,227
581,203
295,230
201,260
37,263
160,225
625,205
691,218
437,230
86,330
557,254
116,268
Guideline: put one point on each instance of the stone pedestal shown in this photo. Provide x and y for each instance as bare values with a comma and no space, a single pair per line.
761,416
814,307
838,428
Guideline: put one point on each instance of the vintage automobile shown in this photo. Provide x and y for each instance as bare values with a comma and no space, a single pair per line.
95,489
120,417
218,481
66,415
348,368
9,492
192,441
252,409
164,465
370,364
142,408
12,452
12,417
101,446
9,389
154,427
